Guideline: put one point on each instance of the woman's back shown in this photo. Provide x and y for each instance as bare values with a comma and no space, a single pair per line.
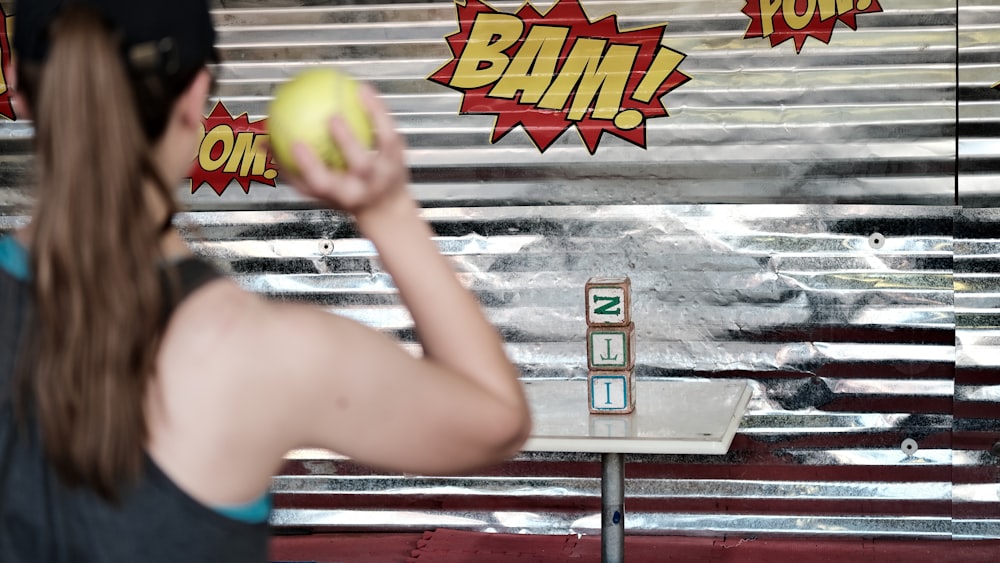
44,520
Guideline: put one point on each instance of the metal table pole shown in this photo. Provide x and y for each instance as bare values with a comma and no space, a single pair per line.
612,508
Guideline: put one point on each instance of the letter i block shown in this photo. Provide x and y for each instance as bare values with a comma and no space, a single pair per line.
611,392
609,301
611,347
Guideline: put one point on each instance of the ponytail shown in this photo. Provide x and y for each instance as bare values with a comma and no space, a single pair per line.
99,301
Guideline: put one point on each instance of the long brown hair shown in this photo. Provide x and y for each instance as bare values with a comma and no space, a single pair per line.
99,300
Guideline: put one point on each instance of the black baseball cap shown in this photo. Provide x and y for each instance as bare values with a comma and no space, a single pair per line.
173,36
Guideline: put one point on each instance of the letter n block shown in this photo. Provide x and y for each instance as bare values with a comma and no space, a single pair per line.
611,392
609,301
611,347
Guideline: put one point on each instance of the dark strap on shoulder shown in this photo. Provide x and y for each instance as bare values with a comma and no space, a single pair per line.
181,278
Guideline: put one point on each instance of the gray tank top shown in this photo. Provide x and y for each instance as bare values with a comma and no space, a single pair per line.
41,520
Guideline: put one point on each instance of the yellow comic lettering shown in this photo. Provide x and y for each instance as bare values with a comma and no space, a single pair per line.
794,19
588,74
768,9
608,82
533,66
664,64
219,134
832,8
249,156
483,60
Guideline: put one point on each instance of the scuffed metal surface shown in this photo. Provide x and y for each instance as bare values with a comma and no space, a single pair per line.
978,103
977,378
850,347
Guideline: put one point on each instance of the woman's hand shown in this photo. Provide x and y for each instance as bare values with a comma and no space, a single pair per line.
372,177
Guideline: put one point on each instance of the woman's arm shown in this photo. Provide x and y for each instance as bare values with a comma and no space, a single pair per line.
243,380
459,406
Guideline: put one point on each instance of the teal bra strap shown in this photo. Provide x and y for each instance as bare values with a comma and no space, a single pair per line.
13,258
253,512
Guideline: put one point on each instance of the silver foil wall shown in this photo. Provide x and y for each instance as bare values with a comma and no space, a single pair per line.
819,222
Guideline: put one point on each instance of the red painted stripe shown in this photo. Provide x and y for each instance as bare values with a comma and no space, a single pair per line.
977,409
977,376
453,546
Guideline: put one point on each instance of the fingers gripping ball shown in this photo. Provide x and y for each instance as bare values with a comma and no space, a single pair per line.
301,112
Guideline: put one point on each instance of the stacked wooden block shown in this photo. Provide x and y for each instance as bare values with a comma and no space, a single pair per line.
610,346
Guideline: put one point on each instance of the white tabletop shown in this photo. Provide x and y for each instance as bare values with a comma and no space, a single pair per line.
679,416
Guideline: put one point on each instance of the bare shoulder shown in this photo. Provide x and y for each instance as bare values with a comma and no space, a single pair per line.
208,318
241,365
227,321
208,410
246,346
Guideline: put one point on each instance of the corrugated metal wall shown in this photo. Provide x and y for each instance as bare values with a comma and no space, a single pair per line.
976,433
818,222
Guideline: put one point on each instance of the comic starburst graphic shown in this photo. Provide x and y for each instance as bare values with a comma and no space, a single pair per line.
791,20
549,72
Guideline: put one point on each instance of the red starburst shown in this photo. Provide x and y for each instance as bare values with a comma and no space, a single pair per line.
777,29
233,149
6,104
638,100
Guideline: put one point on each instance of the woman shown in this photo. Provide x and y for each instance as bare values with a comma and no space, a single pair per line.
146,400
